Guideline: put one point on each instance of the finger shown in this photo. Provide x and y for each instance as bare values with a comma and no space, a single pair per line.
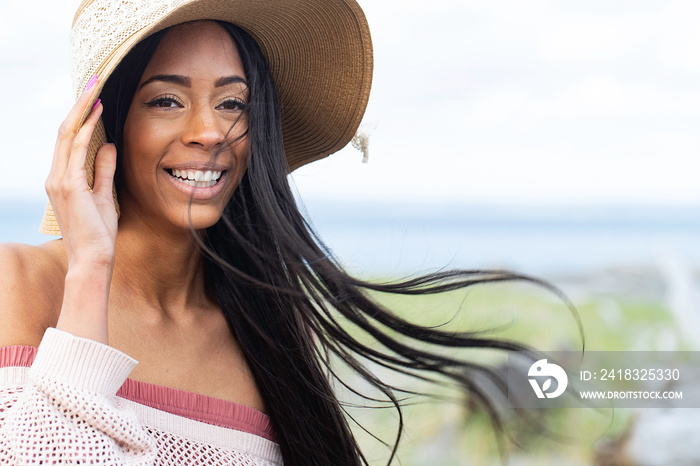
79,147
69,129
105,166
60,188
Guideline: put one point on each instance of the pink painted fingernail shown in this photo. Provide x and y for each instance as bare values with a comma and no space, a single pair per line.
94,106
91,83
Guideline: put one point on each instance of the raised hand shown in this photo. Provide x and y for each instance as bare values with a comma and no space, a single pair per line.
88,221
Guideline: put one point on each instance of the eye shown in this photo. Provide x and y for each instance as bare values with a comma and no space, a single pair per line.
167,101
232,104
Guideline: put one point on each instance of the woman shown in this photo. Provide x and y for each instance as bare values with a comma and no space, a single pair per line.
209,278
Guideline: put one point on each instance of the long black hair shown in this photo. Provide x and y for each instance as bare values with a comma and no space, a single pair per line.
290,303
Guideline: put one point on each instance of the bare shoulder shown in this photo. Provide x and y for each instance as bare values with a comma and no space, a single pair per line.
31,290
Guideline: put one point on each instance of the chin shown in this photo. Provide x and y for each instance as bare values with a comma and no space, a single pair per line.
201,217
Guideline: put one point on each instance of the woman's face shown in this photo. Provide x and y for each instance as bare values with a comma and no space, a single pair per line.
181,117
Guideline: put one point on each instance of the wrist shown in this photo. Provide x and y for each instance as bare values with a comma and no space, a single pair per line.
91,262
85,300
90,269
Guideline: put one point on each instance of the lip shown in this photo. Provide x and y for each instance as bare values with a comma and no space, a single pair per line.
199,193
200,167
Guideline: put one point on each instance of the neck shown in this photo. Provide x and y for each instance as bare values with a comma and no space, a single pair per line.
161,270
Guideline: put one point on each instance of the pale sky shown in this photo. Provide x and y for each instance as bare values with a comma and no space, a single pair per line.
473,101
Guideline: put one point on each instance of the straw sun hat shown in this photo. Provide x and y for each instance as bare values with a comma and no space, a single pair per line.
319,53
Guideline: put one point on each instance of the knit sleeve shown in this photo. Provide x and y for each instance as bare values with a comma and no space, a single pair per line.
68,412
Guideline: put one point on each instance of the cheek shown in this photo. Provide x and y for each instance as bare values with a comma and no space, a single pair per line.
241,155
133,134
133,143
144,142
242,136
139,157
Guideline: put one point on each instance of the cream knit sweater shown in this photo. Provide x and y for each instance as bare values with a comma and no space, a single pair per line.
64,409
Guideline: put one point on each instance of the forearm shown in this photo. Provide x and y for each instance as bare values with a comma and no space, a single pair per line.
85,301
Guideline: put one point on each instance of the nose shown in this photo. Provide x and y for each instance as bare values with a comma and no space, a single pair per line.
203,130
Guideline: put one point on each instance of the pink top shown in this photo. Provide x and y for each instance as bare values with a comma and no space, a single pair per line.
190,405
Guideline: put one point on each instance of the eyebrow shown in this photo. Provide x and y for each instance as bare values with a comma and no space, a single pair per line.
226,80
187,82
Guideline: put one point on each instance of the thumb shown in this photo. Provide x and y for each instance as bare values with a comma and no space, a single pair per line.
105,166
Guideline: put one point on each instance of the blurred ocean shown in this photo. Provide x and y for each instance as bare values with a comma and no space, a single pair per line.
402,238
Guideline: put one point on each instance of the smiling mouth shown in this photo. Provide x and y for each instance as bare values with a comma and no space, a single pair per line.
196,178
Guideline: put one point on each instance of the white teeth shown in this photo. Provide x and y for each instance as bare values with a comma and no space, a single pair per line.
197,178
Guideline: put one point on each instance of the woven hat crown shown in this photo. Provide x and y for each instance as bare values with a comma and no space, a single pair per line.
319,53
